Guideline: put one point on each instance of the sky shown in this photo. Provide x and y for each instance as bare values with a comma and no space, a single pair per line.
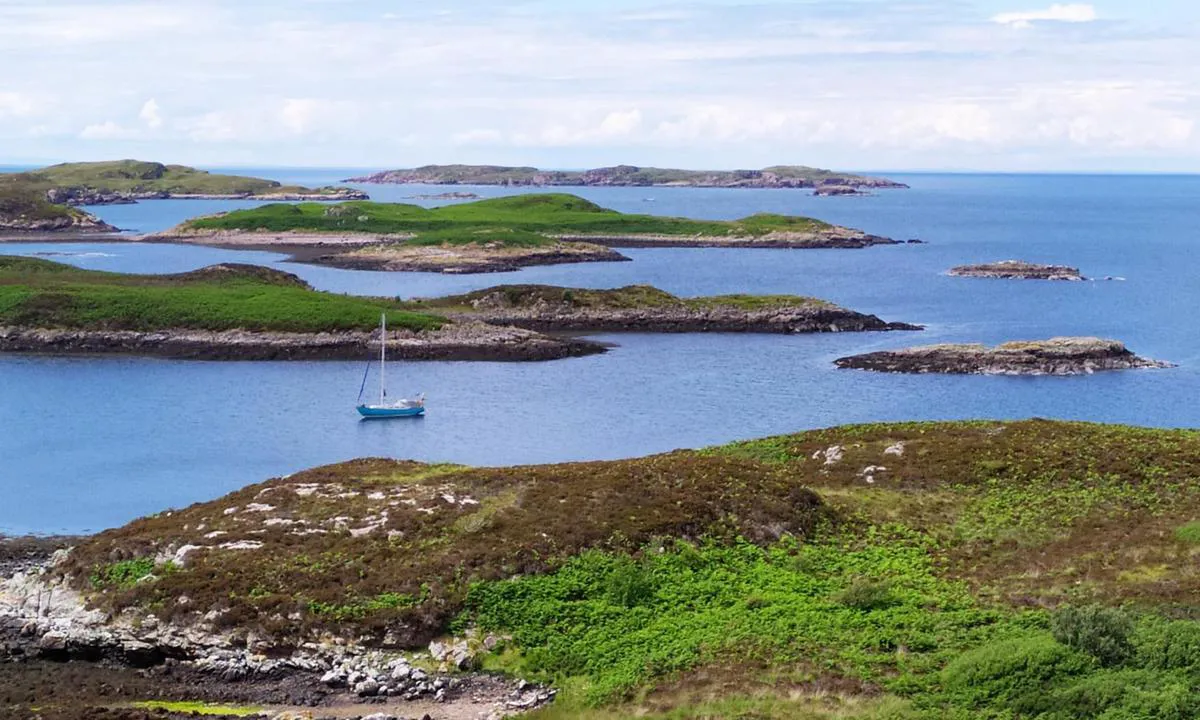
985,85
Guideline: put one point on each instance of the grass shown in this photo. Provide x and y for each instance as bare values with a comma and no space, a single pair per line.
1003,570
514,218
39,293
199,708
21,201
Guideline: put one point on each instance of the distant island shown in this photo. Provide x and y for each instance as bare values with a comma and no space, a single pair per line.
1017,270
1057,356
37,200
497,234
779,176
246,312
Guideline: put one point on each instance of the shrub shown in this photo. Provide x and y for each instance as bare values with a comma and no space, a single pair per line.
867,595
1100,632
1163,645
1016,674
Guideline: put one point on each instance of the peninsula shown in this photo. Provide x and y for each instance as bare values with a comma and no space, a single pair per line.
779,176
919,570
128,181
1057,356
246,312
24,209
1018,270
493,235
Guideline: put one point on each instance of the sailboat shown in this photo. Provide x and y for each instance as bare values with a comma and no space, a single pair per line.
405,407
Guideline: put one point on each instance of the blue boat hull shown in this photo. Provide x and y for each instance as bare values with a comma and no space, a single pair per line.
382,412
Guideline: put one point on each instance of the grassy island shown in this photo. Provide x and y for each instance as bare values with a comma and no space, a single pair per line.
495,234
1002,570
44,294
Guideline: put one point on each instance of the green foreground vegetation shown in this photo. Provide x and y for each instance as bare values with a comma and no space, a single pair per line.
43,294
1002,570
521,220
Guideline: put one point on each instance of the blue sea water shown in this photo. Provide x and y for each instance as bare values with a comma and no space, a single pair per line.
88,443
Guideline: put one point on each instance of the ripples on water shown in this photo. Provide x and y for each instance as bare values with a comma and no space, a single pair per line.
91,443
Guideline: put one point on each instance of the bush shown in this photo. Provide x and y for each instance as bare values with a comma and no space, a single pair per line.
1163,645
1016,674
1100,632
867,595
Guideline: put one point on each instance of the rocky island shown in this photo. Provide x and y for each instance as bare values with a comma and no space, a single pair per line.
1057,356
1018,270
128,181
245,312
25,210
642,308
924,570
779,176
492,235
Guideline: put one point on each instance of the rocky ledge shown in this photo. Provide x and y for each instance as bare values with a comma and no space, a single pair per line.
832,237
550,311
458,341
1057,356
75,221
837,190
1018,270
471,258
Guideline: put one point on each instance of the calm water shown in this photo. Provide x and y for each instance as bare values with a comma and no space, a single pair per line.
91,443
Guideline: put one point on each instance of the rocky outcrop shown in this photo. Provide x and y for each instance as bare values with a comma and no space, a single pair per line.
469,258
678,317
76,221
837,190
458,341
1017,270
1058,356
455,195
781,176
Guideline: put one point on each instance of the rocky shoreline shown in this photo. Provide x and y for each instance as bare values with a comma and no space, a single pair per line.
1018,270
1057,356
465,341
834,237
816,317
466,259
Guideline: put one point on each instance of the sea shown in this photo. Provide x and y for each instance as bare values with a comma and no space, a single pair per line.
88,443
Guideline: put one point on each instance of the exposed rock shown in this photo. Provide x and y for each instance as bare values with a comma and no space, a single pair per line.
825,238
1018,270
446,196
457,341
1058,356
837,190
469,258
93,196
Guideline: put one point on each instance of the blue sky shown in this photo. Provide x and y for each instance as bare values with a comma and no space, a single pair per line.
1009,85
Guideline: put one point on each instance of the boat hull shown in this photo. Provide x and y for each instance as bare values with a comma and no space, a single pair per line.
374,413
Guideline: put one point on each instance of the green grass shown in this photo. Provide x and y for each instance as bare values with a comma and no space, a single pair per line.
38,293
199,708
22,200
519,216
1189,532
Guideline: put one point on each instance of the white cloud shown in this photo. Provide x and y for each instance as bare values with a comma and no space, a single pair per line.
15,104
479,136
151,114
107,130
1072,13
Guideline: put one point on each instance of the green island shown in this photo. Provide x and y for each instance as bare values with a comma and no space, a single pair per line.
37,200
495,234
778,176
246,312
911,571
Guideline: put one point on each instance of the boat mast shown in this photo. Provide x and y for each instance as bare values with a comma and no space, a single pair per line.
382,356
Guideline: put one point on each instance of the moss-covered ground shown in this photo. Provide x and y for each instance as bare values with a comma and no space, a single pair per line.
1010,570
